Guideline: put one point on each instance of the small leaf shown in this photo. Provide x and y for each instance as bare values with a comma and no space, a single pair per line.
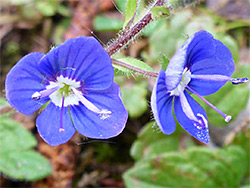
135,98
25,165
164,62
135,63
160,12
103,23
130,11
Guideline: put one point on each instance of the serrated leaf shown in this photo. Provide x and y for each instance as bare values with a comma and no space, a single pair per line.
13,137
135,63
135,98
160,12
103,23
196,167
25,165
130,11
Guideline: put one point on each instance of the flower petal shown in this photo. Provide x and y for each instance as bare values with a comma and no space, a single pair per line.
48,125
161,104
82,59
201,134
23,80
221,63
94,125
196,48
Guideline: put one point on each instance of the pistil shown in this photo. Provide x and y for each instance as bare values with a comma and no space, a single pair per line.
227,117
61,115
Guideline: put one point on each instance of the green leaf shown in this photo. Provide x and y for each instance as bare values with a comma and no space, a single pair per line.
103,23
196,167
135,63
121,5
130,11
164,62
160,12
13,137
17,159
25,165
135,98
48,7
152,142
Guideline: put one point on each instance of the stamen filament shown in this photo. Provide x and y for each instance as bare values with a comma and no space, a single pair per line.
227,118
220,78
88,104
61,115
44,93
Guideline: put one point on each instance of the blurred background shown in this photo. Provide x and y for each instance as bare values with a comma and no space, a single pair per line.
141,156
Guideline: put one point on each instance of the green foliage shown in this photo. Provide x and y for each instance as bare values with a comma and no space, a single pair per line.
196,167
18,160
160,12
3,102
153,142
178,4
134,98
51,7
164,62
104,23
166,36
130,12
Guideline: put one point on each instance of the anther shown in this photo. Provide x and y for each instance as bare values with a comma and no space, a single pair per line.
227,118
239,81
36,96
44,93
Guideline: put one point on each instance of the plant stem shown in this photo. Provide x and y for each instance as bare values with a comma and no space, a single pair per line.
147,73
130,34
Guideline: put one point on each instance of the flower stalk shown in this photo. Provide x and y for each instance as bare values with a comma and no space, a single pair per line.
125,65
130,34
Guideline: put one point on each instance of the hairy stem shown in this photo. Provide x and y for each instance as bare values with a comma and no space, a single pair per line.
147,73
129,34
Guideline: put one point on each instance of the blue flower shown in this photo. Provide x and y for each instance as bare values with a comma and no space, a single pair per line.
201,66
76,79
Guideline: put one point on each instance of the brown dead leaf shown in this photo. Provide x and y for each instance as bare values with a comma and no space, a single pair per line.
63,160
83,14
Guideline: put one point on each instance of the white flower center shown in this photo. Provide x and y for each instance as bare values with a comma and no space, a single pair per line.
66,86
186,77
